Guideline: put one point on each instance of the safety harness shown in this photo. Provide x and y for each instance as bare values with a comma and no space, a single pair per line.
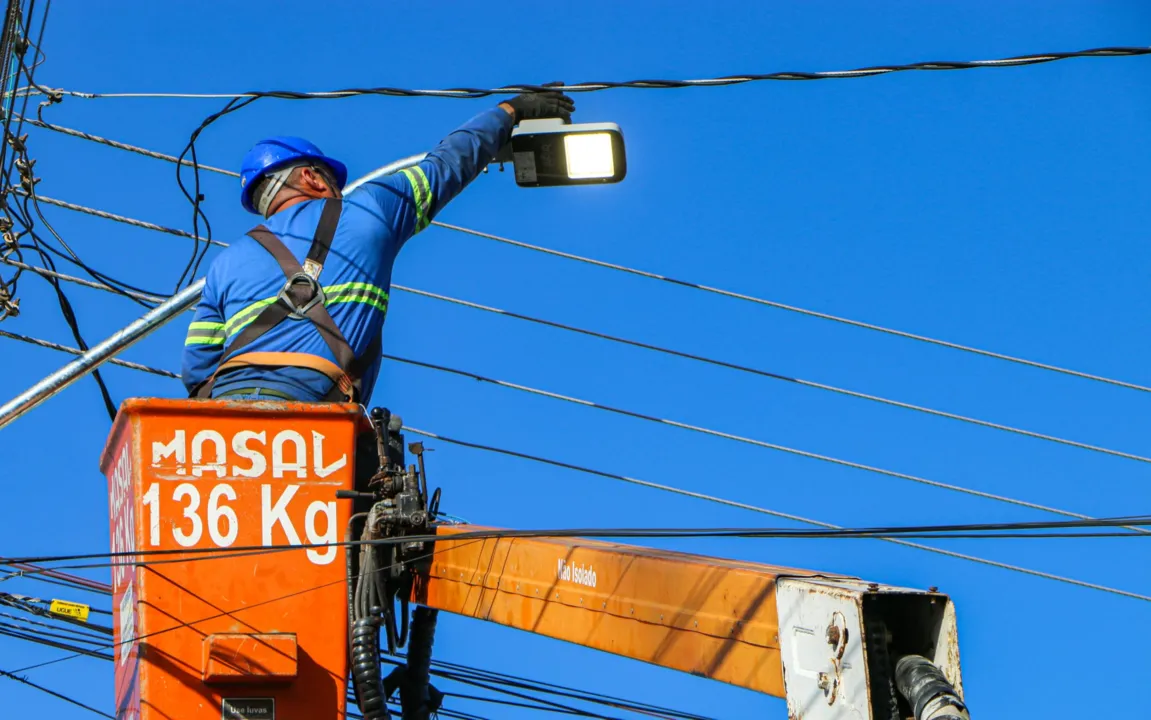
301,298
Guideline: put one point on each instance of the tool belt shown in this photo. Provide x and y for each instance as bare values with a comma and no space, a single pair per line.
301,298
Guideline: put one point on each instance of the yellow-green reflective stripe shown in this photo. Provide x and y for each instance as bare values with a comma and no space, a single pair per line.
367,300
205,333
243,316
341,292
417,196
427,186
205,340
357,287
421,191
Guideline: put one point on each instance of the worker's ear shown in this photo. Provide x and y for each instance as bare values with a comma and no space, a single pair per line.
313,181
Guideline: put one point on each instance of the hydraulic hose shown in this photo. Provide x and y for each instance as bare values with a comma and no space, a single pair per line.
353,581
350,568
929,694
417,697
366,677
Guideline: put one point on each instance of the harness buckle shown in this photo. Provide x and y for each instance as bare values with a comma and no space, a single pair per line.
317,295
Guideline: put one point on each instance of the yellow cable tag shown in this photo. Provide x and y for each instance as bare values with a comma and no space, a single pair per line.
69,609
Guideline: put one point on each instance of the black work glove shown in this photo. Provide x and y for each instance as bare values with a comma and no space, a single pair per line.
536,105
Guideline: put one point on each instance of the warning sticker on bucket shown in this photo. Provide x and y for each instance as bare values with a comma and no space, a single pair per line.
249,709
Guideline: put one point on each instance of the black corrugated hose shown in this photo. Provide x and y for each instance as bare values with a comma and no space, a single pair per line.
417,696
930,695
366,679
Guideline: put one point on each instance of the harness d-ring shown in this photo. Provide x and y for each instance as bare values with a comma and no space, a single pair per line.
301,312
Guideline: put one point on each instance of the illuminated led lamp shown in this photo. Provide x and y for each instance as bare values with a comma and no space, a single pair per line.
551,152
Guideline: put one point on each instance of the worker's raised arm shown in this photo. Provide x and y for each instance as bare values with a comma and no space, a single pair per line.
411,198
205,341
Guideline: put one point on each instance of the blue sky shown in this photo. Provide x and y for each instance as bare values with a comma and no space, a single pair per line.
1005,209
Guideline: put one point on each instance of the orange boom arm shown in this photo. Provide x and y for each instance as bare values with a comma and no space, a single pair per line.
805,636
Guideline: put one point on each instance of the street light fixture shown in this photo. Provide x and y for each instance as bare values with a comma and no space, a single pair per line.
550,152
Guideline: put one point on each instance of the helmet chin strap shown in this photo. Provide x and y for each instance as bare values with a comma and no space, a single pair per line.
275,181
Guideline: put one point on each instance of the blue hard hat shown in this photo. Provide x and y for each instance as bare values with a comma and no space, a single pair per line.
274,152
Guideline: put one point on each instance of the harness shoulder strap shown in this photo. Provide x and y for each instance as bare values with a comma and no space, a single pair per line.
302,297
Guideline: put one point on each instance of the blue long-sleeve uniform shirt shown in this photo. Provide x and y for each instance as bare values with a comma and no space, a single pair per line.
377,219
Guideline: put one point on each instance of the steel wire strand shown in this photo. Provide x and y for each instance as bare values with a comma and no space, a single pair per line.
45,272
938,532
18,626
799,310
122,146
743,439
753,508
775,376
191,623
512,681
38,577
54,644
65,252
33,606
76,632
547,705
773,513
642,416
587,696
64,348
685,283
55,694
471,93
75,582
543,704
679,353
122,219
539,705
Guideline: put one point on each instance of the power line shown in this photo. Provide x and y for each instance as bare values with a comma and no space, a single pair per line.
70,647
774,376
565,691
73,581
540,705
122,146
228,613
450,670
55,694
465,675
33,606
765,511
122,219
80,281
69,255
36,576
964,531
40,632
731,503
64,348
472,93
796,309
692,285
84,633
738,438
646,346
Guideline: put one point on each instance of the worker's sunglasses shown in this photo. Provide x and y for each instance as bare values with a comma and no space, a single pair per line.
328,178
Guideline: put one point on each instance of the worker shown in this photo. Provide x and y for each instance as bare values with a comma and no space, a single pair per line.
295,309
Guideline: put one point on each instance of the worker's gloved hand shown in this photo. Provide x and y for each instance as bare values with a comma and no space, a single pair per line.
536,105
